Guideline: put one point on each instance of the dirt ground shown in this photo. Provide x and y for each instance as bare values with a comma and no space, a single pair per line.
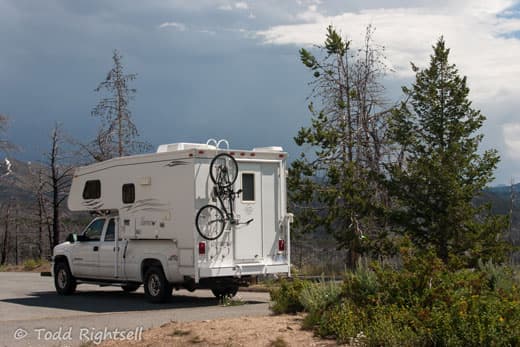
275,331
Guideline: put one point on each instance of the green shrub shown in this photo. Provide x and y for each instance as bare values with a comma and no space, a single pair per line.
424,303
343,321
286,297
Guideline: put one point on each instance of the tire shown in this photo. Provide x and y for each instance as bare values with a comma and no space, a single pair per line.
64,282
131,287
210,222
225,292
156,287
223,170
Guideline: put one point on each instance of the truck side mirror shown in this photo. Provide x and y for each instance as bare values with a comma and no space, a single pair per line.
72,238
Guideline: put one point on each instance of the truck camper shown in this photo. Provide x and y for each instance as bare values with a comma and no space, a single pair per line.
188,216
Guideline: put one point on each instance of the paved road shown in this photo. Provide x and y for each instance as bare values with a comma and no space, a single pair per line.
29,306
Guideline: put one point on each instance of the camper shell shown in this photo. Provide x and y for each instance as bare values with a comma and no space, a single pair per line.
154,198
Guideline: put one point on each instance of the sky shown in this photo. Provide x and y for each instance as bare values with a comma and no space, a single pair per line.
230,69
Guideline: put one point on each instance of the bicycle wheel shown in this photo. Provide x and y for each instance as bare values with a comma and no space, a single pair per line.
210,222
223,170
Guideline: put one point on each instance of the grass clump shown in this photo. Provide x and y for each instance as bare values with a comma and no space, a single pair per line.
179,332
279,342
286,297
31,264
317,297
229,301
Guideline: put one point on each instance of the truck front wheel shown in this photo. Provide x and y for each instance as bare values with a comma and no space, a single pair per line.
130,288
64,282
156,287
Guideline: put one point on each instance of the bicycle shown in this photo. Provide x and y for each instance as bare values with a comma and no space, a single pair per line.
211,220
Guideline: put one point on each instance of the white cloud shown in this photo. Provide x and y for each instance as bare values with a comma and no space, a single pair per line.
241,5
511,132
175,25
476,35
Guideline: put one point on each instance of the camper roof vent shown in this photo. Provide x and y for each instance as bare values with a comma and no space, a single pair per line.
268,149
172,147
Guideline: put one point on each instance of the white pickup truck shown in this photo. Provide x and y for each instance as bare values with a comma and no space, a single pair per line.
189,216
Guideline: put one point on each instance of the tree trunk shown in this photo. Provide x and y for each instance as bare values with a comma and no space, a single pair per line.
3,260
16,230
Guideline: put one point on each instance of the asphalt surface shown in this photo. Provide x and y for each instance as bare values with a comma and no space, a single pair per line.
32,314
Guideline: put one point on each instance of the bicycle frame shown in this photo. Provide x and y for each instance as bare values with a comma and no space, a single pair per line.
229,195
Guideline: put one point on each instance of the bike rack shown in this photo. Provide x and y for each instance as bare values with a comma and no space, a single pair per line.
217,143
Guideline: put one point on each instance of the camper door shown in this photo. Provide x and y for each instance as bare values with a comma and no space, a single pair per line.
248,237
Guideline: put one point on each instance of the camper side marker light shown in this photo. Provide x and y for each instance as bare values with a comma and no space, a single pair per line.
281,245
201,152
280,155
253,154
202,248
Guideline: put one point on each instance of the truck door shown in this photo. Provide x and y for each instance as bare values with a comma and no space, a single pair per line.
86,252
109,250
248,237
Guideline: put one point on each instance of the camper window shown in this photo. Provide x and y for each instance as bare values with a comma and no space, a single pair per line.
128,193
94,230
92,190
248,187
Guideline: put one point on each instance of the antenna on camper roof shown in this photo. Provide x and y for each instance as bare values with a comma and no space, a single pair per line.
217,143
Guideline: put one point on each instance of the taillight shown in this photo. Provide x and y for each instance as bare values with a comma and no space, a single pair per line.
202,248
281,245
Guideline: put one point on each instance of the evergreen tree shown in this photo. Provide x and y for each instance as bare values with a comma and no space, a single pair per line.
442,172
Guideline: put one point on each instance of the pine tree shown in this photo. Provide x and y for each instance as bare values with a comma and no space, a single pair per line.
437,129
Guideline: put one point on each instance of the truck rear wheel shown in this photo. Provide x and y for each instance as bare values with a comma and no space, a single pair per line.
64,282
156,286
225,292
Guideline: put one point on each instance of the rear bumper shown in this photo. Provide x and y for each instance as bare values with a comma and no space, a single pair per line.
240,270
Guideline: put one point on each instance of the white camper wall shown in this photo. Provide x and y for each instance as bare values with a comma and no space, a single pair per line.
164,190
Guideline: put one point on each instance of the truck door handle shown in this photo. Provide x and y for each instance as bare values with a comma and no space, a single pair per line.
96,248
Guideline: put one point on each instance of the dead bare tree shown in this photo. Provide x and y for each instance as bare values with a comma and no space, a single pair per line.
338,187
7,219
118,135
58,181
5,145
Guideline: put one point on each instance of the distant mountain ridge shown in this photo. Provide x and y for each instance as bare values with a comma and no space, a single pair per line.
17,180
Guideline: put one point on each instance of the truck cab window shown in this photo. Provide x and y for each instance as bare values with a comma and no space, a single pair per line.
128,193
110,233
94,230
92,189
248,187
